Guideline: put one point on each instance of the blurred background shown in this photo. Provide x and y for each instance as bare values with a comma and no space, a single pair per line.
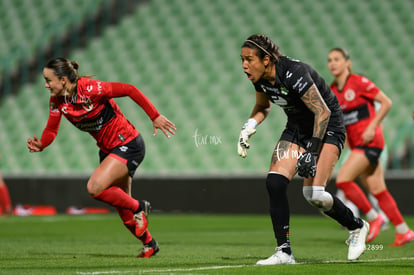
185,56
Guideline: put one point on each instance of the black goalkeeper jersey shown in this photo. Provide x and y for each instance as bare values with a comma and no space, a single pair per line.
293,79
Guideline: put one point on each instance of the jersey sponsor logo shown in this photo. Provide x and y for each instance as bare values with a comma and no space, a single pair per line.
278,100
356,114
299,84
269,89
94,124
349,95
272,94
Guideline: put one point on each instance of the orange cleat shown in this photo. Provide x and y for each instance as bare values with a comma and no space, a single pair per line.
401,239
375,227
141,218
149,249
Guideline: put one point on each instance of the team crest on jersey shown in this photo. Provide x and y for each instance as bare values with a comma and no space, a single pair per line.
87,106
349,95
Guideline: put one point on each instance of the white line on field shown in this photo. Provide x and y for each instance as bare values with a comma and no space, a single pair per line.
236,266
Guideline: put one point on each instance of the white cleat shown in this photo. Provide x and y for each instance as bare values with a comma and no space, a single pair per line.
279,257
356,241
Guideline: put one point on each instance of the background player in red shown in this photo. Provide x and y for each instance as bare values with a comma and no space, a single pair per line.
89,105
5,201
310,144
356,95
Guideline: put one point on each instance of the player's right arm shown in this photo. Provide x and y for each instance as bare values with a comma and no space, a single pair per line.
49,133
262,107
260,111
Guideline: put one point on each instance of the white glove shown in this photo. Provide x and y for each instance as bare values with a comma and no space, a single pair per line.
247,131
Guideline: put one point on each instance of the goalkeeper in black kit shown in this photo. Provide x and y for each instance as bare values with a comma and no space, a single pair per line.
310,145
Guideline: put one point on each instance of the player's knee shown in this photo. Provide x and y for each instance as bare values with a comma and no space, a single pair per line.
318,197
93,188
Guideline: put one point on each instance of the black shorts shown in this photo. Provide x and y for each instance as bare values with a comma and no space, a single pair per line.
132,154
297,137
372,153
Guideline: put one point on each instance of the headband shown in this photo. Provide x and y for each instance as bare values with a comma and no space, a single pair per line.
260,47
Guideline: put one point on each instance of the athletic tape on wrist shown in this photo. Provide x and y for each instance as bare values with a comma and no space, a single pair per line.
250,123
314,145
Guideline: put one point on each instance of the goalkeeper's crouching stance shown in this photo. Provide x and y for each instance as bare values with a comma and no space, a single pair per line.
310,144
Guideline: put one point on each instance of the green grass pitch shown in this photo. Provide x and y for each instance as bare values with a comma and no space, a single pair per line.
190,244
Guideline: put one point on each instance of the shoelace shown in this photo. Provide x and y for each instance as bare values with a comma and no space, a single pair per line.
279,248
353,237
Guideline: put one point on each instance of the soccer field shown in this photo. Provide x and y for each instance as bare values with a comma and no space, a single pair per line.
189,244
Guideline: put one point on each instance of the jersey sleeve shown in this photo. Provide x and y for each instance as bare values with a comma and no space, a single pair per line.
50,132
123,89
298,79
368,88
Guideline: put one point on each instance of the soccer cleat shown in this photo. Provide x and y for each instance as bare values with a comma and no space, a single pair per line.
279,257
356,241
149,249
375,227
141,218
401,239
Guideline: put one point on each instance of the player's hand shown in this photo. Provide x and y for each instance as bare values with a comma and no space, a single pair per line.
368,135
34,145
242,145
166,126
306,165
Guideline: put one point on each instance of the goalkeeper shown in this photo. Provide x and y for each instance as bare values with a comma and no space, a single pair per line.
310,145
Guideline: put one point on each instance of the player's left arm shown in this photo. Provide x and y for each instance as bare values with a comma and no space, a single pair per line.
316,104
385,106
306,165
159,121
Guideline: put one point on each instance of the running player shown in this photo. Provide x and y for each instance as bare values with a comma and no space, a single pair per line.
356,95
89,106
310,144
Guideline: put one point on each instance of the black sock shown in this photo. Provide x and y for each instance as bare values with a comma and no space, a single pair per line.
343,215
139,207
279,209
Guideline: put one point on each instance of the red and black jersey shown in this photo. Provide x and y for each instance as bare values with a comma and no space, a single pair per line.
92,109
357,104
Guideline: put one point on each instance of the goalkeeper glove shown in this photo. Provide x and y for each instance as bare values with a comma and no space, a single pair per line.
247,131
306,165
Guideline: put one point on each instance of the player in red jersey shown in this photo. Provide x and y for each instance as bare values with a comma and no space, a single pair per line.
5,201
89,105
356,95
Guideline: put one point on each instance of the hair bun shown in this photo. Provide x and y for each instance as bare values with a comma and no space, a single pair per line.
75,65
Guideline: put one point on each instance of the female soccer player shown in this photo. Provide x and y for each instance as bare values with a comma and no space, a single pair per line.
89,106
356,95
310,144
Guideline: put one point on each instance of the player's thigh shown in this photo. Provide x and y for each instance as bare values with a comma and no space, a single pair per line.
374,180
284,158
353,167
110,172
